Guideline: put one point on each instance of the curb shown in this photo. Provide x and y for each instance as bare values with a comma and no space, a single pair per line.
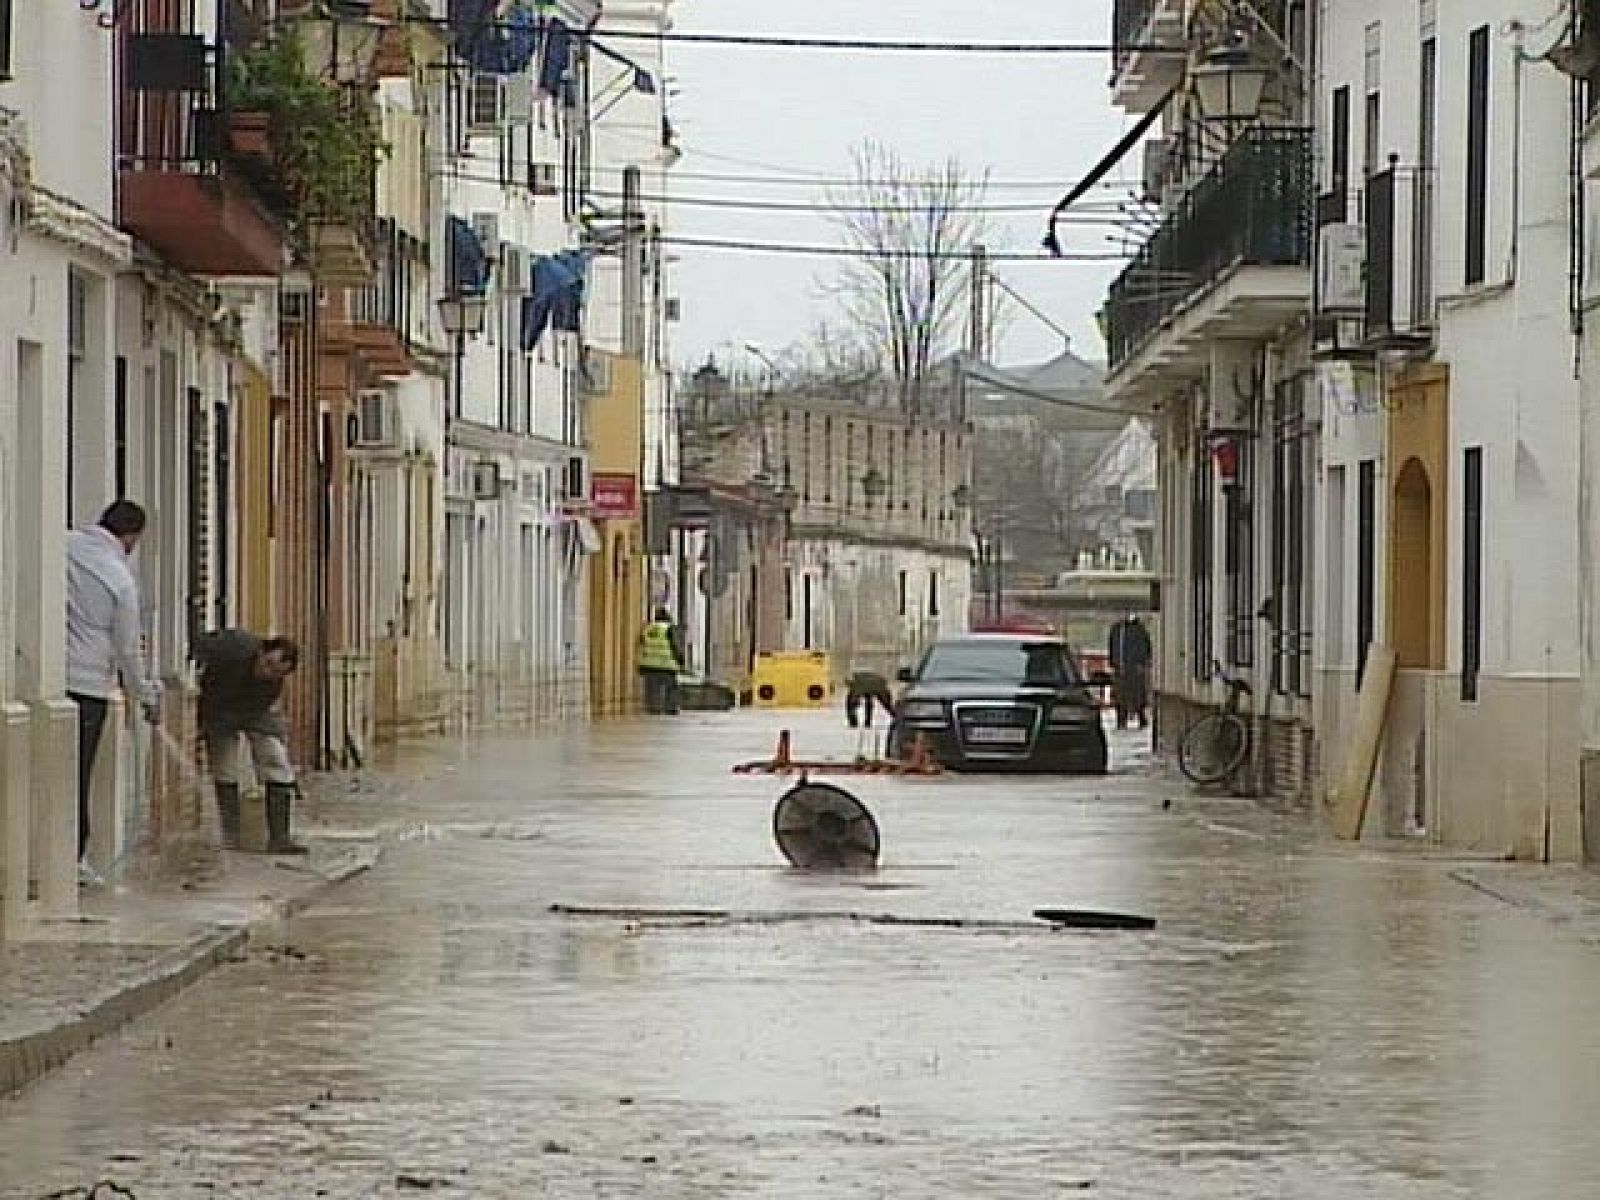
27,1058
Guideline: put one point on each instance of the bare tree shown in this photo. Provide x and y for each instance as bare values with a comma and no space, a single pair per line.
905,292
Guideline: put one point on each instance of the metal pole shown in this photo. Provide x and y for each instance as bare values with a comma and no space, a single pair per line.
632,265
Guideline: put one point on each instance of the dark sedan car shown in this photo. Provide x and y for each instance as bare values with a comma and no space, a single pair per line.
1001,702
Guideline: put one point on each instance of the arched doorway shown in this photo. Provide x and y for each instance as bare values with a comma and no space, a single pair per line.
1412,568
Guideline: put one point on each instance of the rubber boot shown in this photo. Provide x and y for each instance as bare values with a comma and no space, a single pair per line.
280,803
228,814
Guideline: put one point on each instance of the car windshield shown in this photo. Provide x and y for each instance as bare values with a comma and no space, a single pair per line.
1042,663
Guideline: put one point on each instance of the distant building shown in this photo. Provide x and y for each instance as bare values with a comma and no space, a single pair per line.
875,536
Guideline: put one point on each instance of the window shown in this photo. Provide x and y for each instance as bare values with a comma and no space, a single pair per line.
1366,562
1427,159
5,39
805,457
1291,534
1200,549
1477,155
1339,150
77,355
999,661
1471,572
221,507
1372,132
827,460
808,632
788,594
119,429
1239,558
933,593
905,593
197,513
483,102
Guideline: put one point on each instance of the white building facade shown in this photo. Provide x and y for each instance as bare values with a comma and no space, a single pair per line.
513,621
1449,511
1207,333
60,254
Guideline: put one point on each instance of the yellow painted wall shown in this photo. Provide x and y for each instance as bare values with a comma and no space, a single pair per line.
1419,458
617,572
254,483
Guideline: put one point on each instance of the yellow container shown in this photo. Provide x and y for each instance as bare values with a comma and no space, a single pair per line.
796,679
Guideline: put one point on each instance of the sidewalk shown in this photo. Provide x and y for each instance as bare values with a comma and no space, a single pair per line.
139,942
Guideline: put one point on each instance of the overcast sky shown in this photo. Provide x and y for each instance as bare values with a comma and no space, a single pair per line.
755,111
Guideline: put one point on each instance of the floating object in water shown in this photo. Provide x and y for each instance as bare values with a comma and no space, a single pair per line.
1082,918
820,827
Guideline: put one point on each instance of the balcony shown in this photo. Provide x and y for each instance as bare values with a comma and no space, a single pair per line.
1140,76
384,320
1232,258
1401,298
178,189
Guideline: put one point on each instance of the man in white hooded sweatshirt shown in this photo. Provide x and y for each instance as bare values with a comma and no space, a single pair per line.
103,641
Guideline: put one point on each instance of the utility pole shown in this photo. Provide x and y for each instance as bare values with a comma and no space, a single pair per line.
632,266
978,318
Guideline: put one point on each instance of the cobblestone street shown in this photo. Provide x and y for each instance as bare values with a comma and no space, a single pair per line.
1308,1021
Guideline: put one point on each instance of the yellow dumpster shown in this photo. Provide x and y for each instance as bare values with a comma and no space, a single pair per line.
793,679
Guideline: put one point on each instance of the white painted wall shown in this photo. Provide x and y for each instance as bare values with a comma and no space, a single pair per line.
1512,392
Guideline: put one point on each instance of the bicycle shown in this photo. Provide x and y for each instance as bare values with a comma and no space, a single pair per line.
1218,744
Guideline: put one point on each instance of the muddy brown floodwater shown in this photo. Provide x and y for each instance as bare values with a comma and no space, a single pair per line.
1307,1021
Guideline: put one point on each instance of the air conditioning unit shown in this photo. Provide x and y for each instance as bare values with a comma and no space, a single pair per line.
1341,270
516,99
544,179
595,374
377,424
486,481
487,226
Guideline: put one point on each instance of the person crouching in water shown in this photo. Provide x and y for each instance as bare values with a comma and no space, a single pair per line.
863,690
241,679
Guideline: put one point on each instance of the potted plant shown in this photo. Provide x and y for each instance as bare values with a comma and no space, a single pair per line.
249,134
325,147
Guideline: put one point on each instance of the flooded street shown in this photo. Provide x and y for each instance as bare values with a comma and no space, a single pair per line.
1308,1021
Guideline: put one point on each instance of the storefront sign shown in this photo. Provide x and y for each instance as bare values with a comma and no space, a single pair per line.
614,497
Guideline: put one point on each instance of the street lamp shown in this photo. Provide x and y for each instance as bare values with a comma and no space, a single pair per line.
755,349
340,40
1230,82
463,315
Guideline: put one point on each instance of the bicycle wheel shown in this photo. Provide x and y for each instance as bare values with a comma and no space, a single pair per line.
1214,747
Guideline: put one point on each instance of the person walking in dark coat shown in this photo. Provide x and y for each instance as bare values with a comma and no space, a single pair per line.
1131,654
241,679
863,690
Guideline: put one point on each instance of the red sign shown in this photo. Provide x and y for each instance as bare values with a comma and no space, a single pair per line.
614,497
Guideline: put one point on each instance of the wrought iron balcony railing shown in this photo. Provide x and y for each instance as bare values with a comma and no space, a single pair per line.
1254,208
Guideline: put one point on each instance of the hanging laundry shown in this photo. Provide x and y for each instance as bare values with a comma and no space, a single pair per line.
469,264
556,298
494,37
555,59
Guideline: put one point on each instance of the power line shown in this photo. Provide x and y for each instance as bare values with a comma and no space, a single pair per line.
1091,215
852,252
784,42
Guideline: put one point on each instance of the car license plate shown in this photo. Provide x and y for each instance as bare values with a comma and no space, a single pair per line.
998,737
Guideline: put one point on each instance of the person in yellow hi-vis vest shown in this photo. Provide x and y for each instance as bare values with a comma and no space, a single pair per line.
660,660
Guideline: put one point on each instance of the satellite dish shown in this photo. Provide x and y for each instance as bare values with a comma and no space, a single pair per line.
824,828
